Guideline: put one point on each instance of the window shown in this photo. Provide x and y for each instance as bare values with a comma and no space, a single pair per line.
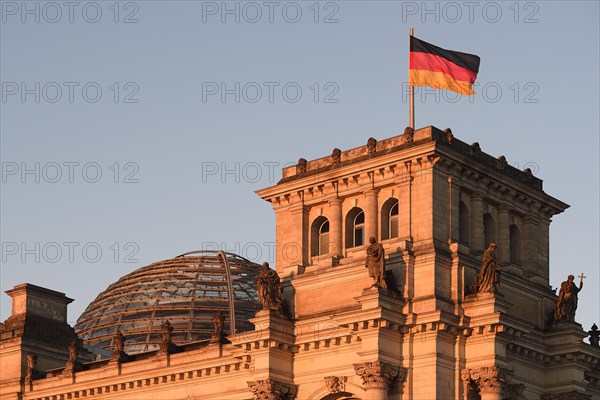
359,229
324,238
489,229
320,237
515,245
355,228
463,223
389,219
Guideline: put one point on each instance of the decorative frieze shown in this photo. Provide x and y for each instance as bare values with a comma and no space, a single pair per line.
335,384
271,389
485,380
379,374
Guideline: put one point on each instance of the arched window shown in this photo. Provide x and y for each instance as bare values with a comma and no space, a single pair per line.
489,229
389,219
515,244
463,223
355,228
320,237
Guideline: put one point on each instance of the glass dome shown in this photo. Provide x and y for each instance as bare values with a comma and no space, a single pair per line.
187,291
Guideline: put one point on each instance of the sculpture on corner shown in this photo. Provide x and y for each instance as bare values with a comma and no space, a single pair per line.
376,263
566,304
269,289
488,279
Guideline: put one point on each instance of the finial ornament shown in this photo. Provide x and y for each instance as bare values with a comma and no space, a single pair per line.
218,333
594,336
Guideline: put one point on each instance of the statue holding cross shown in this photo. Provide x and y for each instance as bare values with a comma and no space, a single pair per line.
566,304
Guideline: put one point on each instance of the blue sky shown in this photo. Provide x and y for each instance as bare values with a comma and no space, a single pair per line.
147,126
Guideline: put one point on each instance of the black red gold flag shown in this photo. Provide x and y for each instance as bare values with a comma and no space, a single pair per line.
442,69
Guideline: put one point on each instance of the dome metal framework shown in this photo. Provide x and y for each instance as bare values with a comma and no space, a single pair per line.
187,291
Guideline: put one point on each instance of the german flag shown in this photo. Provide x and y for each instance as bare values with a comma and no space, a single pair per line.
441,69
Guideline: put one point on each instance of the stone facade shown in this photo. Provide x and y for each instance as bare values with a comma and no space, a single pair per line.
435,203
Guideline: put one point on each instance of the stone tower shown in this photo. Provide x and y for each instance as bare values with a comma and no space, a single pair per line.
435,203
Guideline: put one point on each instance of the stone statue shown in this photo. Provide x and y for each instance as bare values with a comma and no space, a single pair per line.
269,288
566,304
375,262
219,321
489,275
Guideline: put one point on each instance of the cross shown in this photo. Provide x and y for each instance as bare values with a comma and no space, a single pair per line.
582,277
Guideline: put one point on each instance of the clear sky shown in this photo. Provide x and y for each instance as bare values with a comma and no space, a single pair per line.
132,132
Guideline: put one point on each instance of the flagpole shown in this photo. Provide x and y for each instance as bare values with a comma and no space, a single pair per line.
411,90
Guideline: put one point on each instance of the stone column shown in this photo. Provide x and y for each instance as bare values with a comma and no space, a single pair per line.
476,236
371,215
377,377
335,227
503,239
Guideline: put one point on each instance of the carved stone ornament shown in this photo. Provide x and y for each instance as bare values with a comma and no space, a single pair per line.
475,150
378,373
485,380
371,146
166,345
594,336
270,389
335,384
73,365
528,175
409,134
301,166
119,354
449,135
572,395
218,332
30,372
336,156
501,162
